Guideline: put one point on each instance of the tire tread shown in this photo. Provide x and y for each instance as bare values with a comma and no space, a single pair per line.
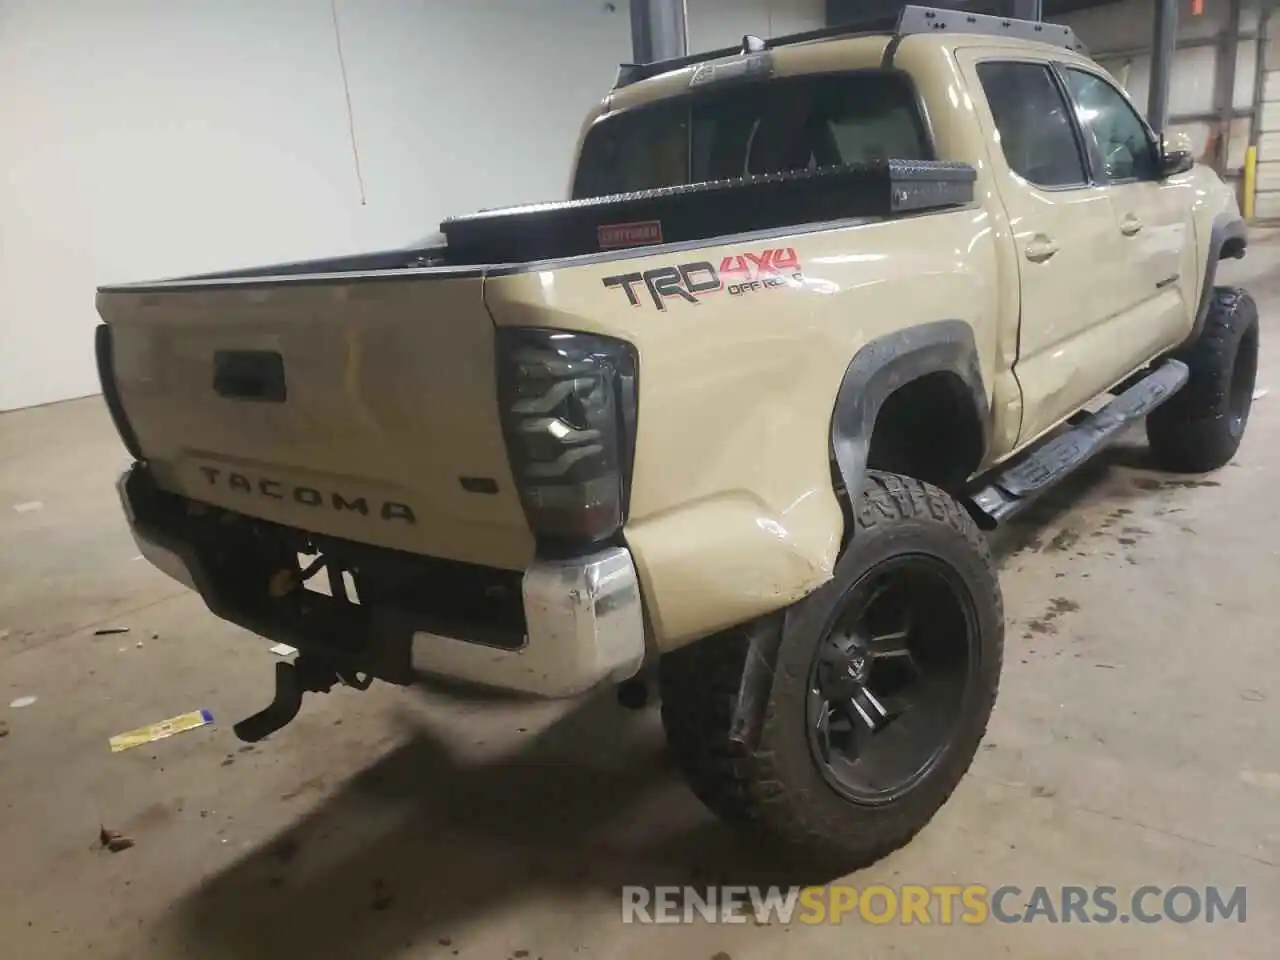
1190,433
700,683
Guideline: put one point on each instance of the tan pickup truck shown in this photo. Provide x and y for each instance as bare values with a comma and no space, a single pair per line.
727,422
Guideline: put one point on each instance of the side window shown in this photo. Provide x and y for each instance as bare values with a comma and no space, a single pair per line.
1126,147
1036,132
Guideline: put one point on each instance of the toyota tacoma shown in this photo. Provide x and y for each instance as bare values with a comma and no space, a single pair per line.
728,423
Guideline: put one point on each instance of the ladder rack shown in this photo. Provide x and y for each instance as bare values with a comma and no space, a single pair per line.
912,21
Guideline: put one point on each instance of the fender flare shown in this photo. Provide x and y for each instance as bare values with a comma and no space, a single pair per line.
879,368
887,363
1226,226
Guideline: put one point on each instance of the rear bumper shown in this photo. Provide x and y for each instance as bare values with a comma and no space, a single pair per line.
585,627
584,617
159,550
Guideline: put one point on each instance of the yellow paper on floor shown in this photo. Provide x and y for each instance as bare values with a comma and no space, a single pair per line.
158,731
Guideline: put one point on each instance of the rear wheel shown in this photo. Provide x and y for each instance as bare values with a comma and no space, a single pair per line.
883,681
887,682
1200,428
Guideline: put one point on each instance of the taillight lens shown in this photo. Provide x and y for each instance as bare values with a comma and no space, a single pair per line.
568,413
102,348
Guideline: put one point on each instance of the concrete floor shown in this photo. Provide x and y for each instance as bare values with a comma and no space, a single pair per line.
1134,743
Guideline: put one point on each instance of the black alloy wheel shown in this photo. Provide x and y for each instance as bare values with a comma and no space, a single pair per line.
888,680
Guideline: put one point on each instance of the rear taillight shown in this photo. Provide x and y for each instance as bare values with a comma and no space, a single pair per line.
569,415
102,348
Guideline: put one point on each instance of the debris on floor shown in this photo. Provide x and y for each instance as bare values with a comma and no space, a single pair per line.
161,730
109,631
30,506
1261,392
4,729
114,840
284,650
20,702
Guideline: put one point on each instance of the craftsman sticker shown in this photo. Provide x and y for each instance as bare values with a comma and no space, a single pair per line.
736,275
613,236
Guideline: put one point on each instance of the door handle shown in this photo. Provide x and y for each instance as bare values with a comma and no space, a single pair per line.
1130,225
1040,248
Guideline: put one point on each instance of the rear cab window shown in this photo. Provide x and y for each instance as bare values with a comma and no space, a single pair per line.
761,127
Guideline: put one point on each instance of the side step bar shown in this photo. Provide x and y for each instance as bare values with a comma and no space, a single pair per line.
1014,488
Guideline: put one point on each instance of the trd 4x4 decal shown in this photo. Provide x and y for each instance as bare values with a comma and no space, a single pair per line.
736,275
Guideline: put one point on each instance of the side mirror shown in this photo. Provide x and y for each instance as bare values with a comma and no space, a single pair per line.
1175,154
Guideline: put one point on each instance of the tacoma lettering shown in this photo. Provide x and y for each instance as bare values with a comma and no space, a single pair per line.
387,510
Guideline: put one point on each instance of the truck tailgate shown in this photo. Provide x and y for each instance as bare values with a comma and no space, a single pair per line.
363,408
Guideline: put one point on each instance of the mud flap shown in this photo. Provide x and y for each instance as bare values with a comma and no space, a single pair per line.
764,636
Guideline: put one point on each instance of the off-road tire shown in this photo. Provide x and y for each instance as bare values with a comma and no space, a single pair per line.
774,789
1200,428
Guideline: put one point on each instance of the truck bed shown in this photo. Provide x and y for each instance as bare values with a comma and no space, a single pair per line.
611,225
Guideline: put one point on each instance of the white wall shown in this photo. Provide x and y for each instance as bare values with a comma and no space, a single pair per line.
147,138
723,23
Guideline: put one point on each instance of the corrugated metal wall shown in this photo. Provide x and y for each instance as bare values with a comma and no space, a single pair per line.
1119,37
1217,49
1267,206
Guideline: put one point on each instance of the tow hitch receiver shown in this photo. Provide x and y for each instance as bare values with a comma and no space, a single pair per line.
307,673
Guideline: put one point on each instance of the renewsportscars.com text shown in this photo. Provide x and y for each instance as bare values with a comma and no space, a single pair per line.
942,904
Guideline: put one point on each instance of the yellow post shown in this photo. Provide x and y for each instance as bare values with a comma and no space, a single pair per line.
1250,185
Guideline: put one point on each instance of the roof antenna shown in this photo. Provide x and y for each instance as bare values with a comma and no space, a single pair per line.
752,44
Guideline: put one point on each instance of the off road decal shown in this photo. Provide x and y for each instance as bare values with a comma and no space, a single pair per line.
613,236
736,275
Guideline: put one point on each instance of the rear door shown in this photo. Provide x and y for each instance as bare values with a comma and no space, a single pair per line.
1063,228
